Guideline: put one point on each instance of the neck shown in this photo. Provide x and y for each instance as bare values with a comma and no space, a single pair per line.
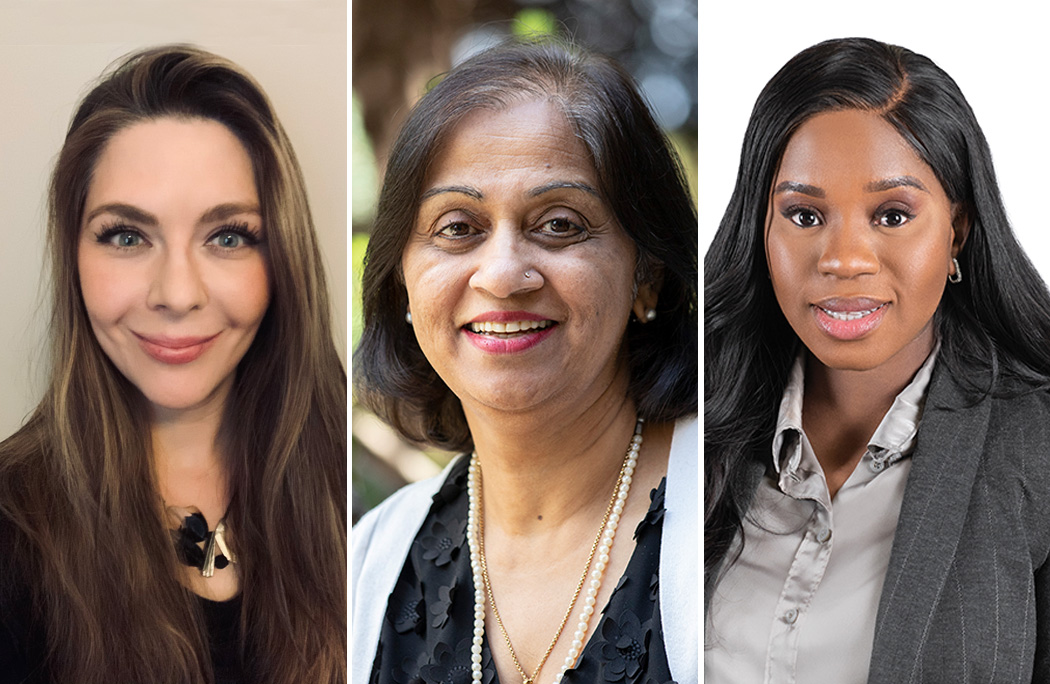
543,468
860,393
842,408
187,458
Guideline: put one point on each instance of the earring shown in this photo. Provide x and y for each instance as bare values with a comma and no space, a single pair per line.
650,315
408,317
955,278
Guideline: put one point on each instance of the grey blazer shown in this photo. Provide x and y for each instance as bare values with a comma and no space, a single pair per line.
967,592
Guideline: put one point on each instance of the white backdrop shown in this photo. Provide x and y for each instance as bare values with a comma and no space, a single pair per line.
998,56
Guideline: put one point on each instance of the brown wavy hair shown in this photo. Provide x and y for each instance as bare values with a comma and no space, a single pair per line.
77,484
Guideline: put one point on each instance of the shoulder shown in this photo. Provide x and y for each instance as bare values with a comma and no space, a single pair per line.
679,550
402,512
380,543
1006,439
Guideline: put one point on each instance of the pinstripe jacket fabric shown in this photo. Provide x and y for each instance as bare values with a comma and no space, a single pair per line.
967,592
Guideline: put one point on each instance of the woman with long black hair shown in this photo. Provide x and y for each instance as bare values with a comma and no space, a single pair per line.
877,355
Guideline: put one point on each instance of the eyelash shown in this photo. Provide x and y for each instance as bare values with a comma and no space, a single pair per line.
251,237
577,229
107,232
792,212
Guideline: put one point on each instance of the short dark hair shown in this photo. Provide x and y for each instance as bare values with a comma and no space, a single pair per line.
993,326
641,180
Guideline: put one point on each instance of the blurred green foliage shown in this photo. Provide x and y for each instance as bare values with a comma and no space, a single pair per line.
358,245
364,189
534,22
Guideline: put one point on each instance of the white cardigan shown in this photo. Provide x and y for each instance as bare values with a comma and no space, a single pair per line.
381,540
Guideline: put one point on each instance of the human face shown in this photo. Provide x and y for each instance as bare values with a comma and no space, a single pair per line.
171,259
519,277
860,238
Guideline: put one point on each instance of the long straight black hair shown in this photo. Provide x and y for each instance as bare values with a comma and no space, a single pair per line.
994,326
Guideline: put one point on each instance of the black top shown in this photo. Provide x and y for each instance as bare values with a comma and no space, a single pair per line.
23,641
429,623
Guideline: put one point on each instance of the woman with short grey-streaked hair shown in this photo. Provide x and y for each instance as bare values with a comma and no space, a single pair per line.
530,297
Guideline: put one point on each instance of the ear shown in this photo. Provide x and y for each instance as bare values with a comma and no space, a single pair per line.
647,295
960,229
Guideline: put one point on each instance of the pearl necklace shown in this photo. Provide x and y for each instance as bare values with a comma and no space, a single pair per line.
601,547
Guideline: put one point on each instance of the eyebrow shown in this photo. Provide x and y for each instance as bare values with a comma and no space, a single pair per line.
222,212
125,211
462,189
896,182
219,212
535,192
803,188
558,185
874,186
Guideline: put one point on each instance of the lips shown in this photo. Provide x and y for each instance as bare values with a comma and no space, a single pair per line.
849,318
175,350
505,332
489,327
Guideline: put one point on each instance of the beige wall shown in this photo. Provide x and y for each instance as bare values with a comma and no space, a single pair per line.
50,51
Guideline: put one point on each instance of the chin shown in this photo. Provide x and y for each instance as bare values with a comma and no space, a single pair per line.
178,400
853,357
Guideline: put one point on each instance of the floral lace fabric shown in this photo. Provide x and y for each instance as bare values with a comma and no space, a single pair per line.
427,630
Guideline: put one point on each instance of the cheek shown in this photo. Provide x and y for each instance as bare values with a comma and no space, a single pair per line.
106,291
789,264
432,284
246,293
927,270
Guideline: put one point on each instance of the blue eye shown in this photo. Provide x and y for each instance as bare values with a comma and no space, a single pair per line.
234,237
228,240
121,236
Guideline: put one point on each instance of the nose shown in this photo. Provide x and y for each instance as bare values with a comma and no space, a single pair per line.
849,250
177,285
504,267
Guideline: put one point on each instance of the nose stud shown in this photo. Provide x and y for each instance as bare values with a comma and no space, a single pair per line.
528,274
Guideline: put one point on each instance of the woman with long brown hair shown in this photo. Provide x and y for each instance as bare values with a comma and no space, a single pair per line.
174,510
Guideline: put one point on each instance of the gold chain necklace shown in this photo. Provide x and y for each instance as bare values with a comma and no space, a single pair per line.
483,587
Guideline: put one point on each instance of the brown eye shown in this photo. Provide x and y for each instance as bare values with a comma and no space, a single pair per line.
894,218
456,230
560,227
804,218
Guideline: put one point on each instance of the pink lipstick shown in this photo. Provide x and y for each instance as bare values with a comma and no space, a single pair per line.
849,318
175,350
508,332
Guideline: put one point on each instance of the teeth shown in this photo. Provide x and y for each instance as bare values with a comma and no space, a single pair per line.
850,315
508,327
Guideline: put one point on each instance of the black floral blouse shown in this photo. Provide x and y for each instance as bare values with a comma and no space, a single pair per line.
428,627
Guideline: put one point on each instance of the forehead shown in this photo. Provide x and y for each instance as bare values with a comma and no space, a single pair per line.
531,137
158,162
849,146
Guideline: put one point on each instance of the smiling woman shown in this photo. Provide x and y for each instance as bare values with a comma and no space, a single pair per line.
530,296
189,451
171,226
877,413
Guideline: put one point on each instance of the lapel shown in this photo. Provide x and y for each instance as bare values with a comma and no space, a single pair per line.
936,499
